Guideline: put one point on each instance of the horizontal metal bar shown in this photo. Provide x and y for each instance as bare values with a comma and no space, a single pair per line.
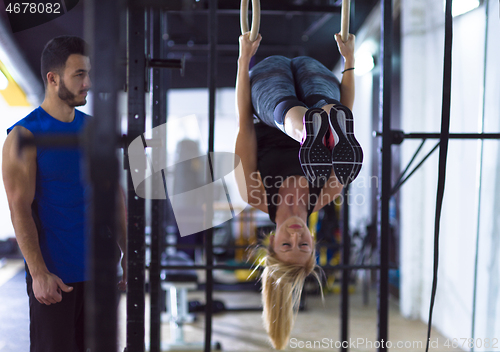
204,267
279,9
51,140
166,63
425,135
232,7
195,246
267,12
453,135
250,246
73,140
238,267
229,48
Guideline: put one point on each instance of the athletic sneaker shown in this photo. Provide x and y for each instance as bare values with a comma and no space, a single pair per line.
315,158
347,155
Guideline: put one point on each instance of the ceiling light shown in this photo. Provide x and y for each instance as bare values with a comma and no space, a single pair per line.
364,62
4,82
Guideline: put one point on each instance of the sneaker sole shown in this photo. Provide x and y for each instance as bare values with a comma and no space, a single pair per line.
315,158
347,155
354,142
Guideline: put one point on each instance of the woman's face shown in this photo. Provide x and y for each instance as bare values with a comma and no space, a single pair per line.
292,241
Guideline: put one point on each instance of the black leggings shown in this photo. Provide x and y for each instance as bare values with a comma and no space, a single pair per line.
279,83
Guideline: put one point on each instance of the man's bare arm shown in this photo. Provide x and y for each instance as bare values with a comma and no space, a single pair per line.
19,176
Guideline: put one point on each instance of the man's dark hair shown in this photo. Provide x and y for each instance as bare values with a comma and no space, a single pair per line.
56,53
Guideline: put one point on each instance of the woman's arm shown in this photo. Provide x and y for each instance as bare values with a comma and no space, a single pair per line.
243,94
347,84
249,182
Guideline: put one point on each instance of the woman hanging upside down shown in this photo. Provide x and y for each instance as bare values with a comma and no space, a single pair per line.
295,126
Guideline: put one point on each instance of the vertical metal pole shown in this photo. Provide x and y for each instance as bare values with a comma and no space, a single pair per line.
385,172
136,125
103,34
346,254
212,72
480,171
158,206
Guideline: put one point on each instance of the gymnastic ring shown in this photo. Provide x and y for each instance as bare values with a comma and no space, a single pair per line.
255,18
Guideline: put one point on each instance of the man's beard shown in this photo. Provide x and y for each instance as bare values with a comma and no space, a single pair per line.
65,95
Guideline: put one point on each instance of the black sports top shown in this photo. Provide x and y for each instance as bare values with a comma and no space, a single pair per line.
278,158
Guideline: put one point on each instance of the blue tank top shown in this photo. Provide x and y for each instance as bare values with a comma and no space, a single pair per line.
59,204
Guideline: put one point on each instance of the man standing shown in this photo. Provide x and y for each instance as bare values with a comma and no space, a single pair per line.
46,195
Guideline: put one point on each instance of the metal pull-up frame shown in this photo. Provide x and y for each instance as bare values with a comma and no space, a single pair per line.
101,142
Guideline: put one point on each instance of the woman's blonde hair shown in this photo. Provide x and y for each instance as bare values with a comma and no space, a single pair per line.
282,285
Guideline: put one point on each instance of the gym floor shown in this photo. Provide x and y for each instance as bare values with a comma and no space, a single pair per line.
316,329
